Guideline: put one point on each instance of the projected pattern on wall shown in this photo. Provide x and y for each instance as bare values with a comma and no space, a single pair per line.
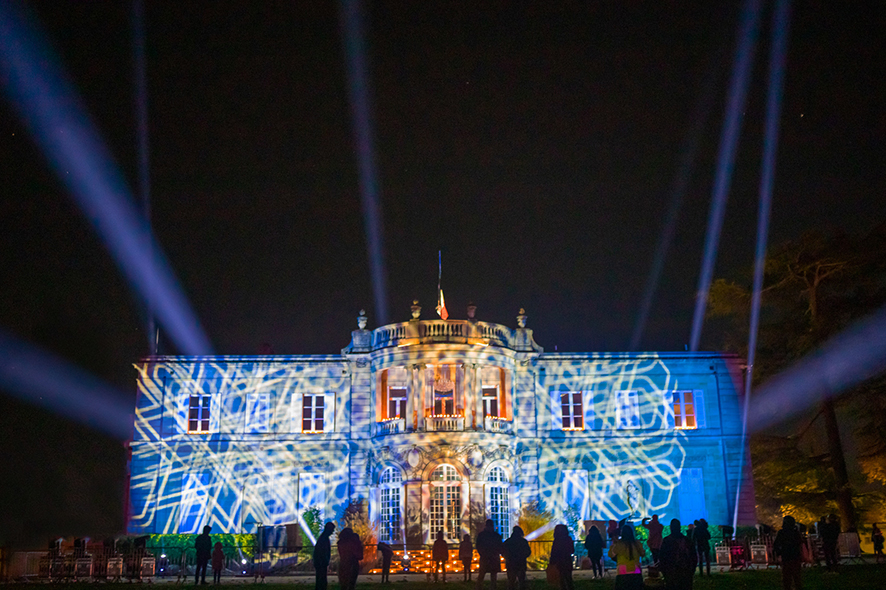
435,425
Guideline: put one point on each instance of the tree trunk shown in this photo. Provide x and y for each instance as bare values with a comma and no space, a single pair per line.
838,464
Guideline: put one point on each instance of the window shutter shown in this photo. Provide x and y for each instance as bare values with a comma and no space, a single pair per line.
329,412
373,504
698,398
587,400
297,400
556,412
669,410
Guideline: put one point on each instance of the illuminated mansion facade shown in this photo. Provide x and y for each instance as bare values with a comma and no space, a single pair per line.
436,425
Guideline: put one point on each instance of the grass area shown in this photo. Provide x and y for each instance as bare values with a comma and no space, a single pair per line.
856,577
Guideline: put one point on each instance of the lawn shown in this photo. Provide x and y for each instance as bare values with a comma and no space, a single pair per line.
856,577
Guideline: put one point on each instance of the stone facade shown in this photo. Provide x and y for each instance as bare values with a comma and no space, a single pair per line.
436,425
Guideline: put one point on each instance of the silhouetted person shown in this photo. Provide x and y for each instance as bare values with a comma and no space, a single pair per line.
440,555
562,550
830,534
466,556
203,545
387,554
218,563
516,551
655,529
677,559
594,545
788,546
489,548
627,552
322,555
877,539
702,539
350,551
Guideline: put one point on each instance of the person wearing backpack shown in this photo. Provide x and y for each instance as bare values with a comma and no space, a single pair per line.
677,559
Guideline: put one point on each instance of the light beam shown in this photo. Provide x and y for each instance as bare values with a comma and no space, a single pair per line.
677,193
358,92
855,355
43,379
777,57
48,105
738,89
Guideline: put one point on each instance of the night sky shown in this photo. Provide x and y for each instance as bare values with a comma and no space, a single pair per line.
534,146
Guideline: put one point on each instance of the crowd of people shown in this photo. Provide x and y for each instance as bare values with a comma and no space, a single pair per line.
675,556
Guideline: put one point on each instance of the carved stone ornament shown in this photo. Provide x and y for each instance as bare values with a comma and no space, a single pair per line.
414,457
362,319
475,457
416,309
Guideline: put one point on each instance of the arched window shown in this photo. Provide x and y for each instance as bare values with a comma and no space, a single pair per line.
446,503
497,500
389,510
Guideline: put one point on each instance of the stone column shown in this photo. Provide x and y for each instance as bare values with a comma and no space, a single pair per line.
409,423
478,397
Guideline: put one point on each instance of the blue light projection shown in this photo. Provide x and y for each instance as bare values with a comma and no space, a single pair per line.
49,107
632,447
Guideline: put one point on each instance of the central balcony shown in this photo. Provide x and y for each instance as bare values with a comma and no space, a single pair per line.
433,331
392,426
444,423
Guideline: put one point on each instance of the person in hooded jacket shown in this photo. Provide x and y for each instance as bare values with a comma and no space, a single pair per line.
350,552
516,551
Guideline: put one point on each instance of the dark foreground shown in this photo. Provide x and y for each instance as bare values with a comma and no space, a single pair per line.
855,577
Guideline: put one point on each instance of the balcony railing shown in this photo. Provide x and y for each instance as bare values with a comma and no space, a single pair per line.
444,423
494,424
455,331
392,426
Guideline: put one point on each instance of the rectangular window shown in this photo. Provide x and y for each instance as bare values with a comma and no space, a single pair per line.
396,402
627,409
313,408
198,414
571,410
490,402
257,412
684,410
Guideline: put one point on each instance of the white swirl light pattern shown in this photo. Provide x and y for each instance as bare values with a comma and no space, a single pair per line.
621,458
